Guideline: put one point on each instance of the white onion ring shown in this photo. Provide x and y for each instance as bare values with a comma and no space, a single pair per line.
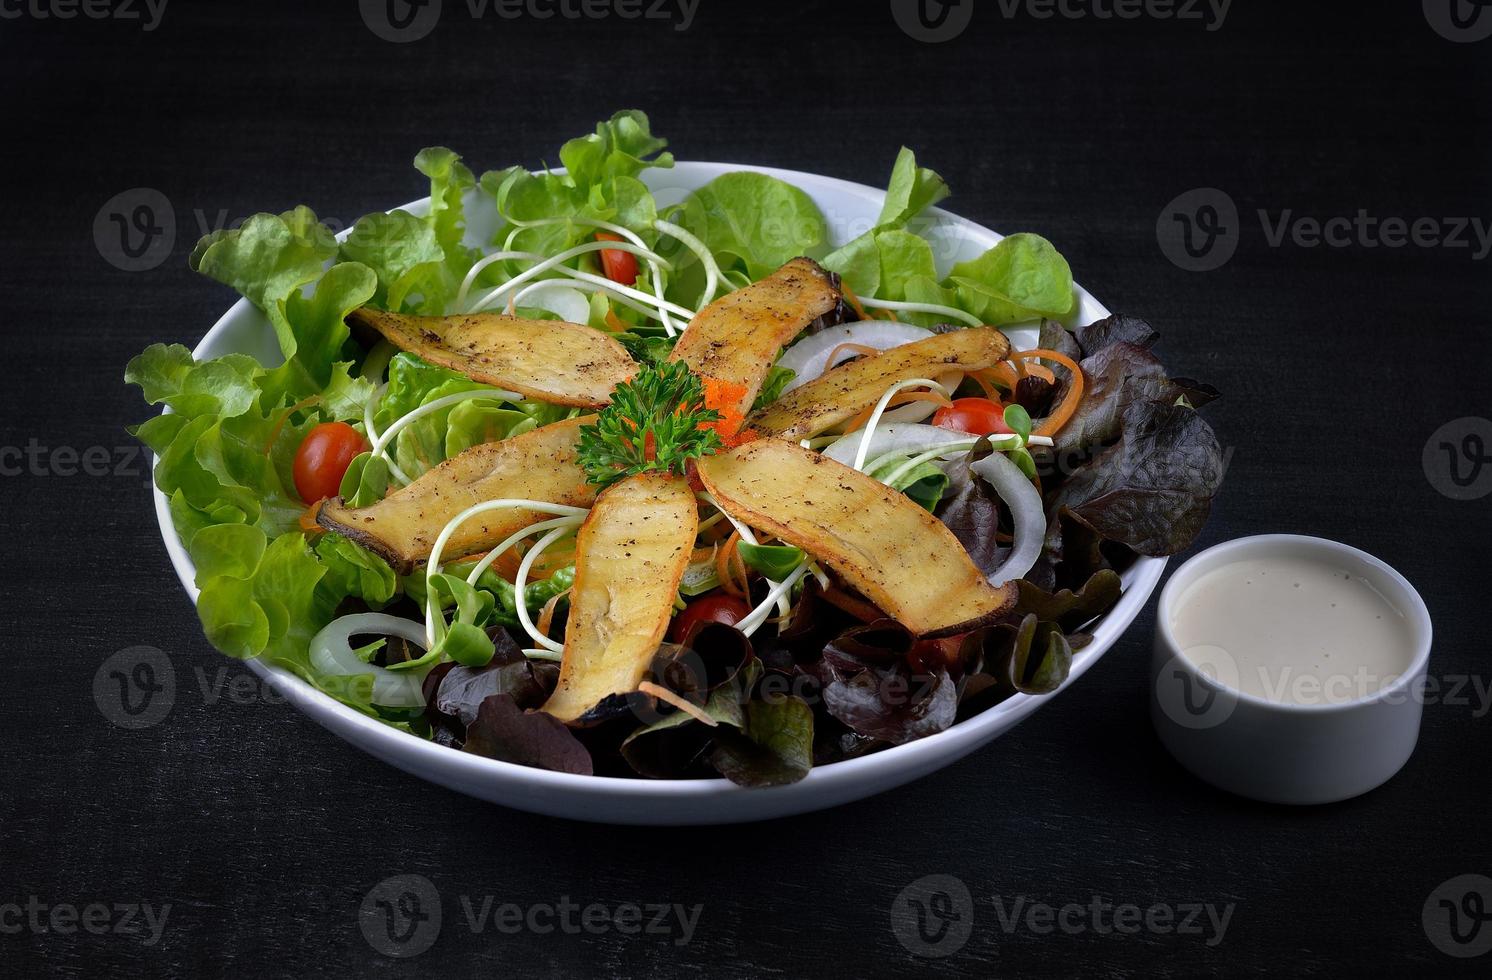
331,653
1026,513
900,438
806,358
564,301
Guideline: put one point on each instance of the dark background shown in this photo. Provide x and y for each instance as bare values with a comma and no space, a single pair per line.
264,833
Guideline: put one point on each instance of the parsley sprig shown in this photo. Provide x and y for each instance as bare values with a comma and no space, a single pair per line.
653,425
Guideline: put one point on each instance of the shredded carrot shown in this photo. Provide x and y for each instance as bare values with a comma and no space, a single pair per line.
853,300
308,519
855,348
1037,369
724,569
861,609
990,391
1004,375
901,398
1063,413
727,398
546,617
615,322
274,434
664,694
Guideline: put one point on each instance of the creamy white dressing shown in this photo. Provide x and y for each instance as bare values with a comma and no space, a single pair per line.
1295,630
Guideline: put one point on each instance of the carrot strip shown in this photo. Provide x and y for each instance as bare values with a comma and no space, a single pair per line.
723,570
990,391
274,434
855,606
664,694
853,300
615,322
308,519
1064,412
546,618
856,348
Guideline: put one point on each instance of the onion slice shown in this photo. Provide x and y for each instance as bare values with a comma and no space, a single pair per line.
900,439
561,299
1026,512
331,653
806,358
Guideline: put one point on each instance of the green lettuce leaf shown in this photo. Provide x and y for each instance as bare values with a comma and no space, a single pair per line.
267,259
1022,278
755,222
352,570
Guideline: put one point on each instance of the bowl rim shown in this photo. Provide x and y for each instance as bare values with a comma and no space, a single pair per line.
426,758
1407,599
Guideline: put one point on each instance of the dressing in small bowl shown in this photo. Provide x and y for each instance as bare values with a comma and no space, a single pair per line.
1289,669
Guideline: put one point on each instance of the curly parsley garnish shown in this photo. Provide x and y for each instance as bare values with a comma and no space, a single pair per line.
656,423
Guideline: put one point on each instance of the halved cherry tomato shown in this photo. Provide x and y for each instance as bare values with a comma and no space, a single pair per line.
618,265
976,416
716,608
928,656
323,458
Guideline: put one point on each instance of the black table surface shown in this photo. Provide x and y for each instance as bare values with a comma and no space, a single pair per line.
264,834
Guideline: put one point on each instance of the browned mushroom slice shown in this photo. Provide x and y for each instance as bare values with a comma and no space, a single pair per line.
737,338
894,552
549,360
630,554
538,465
840,394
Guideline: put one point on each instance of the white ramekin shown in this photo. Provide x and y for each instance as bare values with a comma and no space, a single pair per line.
1284,752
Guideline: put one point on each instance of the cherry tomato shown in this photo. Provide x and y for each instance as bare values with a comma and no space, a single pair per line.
716,608
323,458
618,265
976,416
934,655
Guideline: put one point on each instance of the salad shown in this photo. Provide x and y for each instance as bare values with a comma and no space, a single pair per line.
665,491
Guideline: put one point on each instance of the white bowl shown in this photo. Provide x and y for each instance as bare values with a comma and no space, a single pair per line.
850,209
1276,751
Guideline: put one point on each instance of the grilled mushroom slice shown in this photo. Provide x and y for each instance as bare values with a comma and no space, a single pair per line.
549,360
